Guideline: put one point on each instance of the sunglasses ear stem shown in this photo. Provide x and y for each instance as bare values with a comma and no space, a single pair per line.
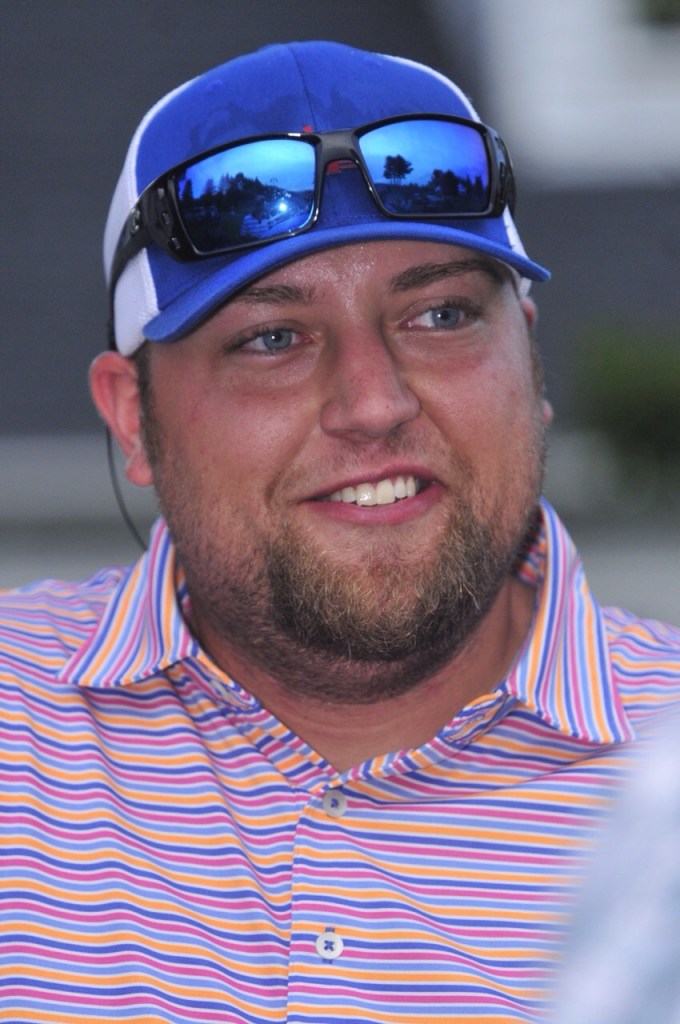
507,191
111,328
510,191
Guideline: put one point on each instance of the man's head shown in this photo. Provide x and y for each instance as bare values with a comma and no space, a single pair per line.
345,426
434,177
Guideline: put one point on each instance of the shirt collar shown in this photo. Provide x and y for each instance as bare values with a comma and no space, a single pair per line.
562,674
142,631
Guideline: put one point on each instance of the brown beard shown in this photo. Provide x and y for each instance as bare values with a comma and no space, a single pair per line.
349,635
365,634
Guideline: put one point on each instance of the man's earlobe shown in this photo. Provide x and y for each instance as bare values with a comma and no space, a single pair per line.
548,413
115,392
530,311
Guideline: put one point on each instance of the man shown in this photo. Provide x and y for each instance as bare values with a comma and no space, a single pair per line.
331,750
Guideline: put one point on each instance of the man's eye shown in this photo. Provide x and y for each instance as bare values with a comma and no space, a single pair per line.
439,318
272,341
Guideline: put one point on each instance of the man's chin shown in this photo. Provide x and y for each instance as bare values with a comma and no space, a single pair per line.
354,628
385,607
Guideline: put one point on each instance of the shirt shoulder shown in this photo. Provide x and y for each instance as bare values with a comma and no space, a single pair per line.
645,662
648,637
42,623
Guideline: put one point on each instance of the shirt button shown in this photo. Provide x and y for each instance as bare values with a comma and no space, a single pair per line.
329,946
334,803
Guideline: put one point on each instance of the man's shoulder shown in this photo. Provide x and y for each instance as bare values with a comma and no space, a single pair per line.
644,637
48,617
645,662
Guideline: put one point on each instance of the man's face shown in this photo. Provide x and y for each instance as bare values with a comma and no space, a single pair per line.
348,454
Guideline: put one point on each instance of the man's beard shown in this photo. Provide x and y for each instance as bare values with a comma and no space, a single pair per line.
391,623
355,633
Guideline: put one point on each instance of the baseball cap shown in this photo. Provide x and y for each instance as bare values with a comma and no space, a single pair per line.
294,87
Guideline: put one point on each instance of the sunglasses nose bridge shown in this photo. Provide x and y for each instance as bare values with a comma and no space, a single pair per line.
337,147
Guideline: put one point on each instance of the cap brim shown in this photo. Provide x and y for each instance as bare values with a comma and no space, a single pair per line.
196,304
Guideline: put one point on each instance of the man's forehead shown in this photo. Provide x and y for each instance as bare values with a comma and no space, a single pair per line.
411,265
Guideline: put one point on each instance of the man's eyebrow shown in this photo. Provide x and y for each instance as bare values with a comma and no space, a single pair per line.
430,273
275,294
413,277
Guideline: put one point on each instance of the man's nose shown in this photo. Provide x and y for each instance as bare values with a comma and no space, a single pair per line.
368,394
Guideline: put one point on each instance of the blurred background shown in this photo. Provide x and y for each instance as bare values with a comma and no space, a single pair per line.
587,96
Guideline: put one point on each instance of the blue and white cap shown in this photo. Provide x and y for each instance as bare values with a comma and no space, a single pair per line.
282,88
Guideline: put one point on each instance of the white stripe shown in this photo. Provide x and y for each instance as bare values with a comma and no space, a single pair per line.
136,301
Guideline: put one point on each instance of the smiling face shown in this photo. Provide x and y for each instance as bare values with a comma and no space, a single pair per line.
348,454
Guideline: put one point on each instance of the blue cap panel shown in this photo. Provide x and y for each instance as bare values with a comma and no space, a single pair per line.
317,86
320,86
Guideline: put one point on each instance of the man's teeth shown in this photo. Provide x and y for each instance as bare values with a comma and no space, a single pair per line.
385,492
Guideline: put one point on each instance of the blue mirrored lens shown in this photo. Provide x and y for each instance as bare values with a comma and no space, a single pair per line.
247,194
428,167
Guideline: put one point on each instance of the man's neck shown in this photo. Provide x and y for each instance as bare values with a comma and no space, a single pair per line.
347,734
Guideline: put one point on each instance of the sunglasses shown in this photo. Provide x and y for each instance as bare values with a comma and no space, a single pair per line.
259,190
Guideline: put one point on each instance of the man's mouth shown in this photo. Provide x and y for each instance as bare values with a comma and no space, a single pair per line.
382,492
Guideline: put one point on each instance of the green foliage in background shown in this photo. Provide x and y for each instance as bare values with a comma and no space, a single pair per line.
630,393
664,12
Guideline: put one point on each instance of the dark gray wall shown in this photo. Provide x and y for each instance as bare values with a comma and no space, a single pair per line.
615,258
77,75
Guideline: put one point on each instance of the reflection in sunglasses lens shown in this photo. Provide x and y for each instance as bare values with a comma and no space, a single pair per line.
428,167
249,193
261,190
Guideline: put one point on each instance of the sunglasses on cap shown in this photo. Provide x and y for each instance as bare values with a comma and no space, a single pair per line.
262,189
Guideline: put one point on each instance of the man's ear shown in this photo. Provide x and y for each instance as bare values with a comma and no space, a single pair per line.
530,310
115,392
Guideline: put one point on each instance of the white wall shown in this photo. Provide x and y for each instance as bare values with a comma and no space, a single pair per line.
587,90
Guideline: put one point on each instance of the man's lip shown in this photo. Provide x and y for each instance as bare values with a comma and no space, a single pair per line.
375,506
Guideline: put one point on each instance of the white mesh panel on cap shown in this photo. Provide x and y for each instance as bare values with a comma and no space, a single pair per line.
516,246
135,301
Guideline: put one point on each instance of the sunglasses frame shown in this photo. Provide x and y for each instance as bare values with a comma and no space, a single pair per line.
156,216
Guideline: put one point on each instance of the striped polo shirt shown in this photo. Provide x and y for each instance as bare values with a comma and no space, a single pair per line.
170,852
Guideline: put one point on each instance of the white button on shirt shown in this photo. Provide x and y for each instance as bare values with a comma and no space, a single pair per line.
329,945
334,803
